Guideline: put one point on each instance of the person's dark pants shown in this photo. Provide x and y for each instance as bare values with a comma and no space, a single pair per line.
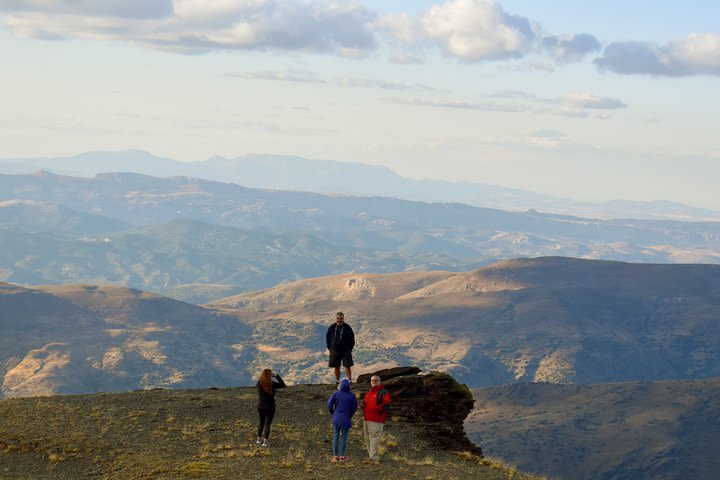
266,418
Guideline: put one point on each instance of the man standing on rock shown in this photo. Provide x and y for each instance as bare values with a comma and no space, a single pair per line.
340,341
375,412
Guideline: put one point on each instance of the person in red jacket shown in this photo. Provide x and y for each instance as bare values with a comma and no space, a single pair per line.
375,411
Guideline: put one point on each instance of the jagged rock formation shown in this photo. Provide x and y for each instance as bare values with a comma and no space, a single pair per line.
435,402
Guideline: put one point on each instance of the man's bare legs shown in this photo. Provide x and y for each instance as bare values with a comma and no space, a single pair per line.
348,373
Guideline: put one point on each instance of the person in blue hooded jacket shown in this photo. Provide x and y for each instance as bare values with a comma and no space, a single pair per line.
342,406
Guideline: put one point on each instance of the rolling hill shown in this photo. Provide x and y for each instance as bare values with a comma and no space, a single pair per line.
553,319
85,338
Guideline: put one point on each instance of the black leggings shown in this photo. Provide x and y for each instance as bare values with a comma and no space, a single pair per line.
266,418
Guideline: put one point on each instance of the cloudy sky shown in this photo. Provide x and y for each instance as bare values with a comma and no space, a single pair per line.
589,100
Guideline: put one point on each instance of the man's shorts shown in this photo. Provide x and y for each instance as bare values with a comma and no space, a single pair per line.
337,357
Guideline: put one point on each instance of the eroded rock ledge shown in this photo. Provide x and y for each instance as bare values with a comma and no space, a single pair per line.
435,402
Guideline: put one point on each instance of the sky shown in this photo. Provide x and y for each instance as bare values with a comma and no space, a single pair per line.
581,99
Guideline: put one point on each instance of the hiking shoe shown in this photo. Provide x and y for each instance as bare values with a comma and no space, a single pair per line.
266,443
343,459
259,440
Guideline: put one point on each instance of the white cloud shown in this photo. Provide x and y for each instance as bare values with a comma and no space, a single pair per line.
576,105
570,48
697,54
461,105
583,101
302,76
405,59
287,76
475,30
470,30
352,53
370,83
547,133
400,26
113,8
196,26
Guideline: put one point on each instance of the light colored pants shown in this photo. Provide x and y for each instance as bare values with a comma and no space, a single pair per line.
373,432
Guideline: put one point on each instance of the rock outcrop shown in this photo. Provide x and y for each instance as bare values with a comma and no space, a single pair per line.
434,402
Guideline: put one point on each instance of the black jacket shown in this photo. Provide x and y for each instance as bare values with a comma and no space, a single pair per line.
266,401
340,338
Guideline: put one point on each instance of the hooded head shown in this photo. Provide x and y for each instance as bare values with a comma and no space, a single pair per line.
344,385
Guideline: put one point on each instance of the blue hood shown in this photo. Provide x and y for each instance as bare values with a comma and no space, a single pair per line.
344,385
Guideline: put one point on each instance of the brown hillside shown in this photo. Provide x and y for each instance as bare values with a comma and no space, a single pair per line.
81,338
636,431
548,319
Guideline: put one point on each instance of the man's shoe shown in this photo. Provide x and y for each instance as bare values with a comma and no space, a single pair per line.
259,440
266,443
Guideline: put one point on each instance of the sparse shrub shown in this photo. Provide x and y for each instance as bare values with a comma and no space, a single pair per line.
56,458
465,455
300,455
196,469
388,441
288,461
257,452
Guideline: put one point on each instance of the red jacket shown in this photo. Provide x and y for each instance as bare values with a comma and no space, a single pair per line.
372,412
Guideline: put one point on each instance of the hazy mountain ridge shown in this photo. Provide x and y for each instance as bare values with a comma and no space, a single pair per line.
49,217
353,233
635,430
189,259
327,176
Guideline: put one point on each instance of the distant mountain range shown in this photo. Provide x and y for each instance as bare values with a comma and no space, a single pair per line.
200,240
326,176
550,319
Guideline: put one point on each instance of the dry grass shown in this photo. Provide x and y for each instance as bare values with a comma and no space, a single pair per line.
204,434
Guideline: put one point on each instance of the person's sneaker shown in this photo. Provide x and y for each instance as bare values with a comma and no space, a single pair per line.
335,459
343,459
266,443
259,440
